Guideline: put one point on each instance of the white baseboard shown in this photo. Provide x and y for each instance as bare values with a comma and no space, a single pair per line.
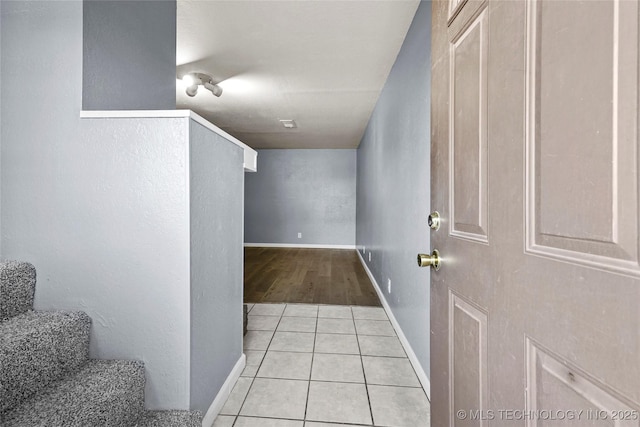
297,245
225,391
422,376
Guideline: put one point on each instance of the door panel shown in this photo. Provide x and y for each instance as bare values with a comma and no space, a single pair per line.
554,386
468,136
468,357
597,135
535,174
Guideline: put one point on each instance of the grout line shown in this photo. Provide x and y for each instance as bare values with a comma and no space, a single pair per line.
364,374
305,421
313,355
258,369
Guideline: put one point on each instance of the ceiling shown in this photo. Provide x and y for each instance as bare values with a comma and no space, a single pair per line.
319,63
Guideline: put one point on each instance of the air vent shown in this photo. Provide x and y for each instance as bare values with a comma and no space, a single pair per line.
289,124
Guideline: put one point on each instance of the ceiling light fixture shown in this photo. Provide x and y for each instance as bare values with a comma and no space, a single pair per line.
193,80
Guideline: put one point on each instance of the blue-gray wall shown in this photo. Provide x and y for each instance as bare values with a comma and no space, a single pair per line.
394,182
40,118
1,72
217,182
312,192
107,212
129,55
72,198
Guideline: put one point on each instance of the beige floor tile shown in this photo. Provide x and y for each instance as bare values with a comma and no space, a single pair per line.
315,424
237,396
375,327
257,340
338,402
262,323
224,421
268,309
389,371
254,358
286,365
312,364
293,341
399,406
371,345
335,311
301,310
249,371
275,398
337,344
369,313
337,367
297,324
266,422
335,326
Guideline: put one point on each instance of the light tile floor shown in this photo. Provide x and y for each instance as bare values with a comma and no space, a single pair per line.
322,366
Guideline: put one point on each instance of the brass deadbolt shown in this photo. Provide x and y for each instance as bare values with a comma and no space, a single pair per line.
434,220
433,260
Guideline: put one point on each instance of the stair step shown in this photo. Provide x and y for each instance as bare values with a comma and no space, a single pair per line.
105,393
38,348
17,288
170,419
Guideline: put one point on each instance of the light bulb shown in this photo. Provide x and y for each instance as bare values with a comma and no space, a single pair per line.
192,90
215,89
188,80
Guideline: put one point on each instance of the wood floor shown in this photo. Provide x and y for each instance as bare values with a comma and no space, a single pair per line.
301,275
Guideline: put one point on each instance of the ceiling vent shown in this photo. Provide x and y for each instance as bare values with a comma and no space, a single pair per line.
289,124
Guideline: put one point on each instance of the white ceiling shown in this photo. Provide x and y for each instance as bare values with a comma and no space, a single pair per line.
321,63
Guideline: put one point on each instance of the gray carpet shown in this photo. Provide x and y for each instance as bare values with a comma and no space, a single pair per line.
39,348
170,419
106,393
17,288
46,378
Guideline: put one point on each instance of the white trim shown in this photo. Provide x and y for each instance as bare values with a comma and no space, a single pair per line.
250,155
297,245
225,391
123,114
422,376
186,290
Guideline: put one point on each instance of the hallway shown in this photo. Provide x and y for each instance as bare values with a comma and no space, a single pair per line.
310,365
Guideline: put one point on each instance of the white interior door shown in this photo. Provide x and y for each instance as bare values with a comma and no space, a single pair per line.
535,312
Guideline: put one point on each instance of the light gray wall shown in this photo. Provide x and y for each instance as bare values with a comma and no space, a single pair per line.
216,262
308,191
102,209
0,119
394,183
40,118
119,227
129,55
105,228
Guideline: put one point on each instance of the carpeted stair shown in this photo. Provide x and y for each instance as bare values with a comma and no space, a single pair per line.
46,377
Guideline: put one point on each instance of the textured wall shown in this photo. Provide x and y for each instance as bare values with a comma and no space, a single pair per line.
1,72
85,202
129,55
394,182
101,208
127,219
216,262
308,191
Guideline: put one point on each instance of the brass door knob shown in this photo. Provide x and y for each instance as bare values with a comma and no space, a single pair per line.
433,260
434,220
